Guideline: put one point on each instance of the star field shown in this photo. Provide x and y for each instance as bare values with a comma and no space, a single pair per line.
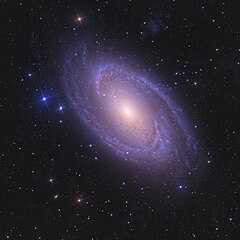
60,180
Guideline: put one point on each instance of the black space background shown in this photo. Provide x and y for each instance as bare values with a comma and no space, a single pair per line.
199,38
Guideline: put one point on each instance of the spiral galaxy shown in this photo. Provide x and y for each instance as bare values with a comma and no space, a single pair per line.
132,115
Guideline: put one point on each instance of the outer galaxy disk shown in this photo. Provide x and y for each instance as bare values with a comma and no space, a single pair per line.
132,115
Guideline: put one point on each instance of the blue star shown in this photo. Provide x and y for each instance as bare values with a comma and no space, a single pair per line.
44,99
182,187
29,74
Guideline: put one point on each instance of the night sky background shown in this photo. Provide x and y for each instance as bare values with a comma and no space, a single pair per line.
58,180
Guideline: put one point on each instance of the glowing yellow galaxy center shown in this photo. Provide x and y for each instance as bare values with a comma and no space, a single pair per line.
127,112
